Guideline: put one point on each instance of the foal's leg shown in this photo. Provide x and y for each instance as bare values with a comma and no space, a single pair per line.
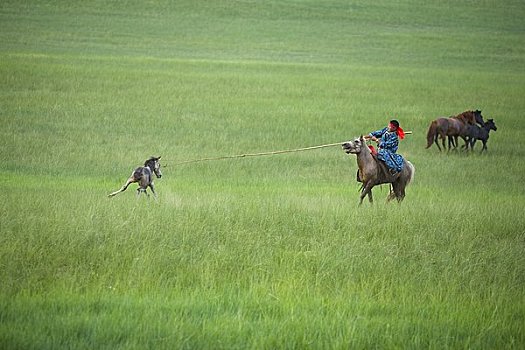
472,143
124,187
467,142
143,186
141,190
484,146
153,190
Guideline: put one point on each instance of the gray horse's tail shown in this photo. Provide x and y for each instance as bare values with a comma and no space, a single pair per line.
412,170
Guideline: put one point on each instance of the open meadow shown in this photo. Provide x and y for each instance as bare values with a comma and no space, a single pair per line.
269,252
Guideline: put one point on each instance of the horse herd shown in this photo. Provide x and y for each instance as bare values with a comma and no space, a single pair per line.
468,125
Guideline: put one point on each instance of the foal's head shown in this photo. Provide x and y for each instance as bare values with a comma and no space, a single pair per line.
490,125
153,164
355,146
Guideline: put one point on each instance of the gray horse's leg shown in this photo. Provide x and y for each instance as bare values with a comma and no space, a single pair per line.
362,196
367,190
391,195
395,193
400,195
397,190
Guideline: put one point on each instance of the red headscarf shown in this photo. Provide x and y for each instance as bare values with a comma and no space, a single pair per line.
400,133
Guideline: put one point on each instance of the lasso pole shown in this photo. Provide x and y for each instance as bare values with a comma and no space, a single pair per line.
259,154
264,153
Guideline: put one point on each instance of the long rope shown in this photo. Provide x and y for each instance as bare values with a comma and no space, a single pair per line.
258,154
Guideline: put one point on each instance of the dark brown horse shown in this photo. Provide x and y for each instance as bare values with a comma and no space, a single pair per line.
144,176
452,127
374,172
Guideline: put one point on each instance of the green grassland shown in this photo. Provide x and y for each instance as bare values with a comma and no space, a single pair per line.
265,252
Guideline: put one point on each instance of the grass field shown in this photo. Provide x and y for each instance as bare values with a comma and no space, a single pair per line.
265,252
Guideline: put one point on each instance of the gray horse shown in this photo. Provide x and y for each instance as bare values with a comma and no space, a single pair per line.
374,172
144,176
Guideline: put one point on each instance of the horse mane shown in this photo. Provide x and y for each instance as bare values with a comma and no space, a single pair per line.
151,159
467,116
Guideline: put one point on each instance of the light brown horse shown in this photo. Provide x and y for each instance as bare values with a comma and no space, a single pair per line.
144,176
373,172
452,127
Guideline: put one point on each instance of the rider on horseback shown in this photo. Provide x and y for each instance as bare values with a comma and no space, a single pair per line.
388,141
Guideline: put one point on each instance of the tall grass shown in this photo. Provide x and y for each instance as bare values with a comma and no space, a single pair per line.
268,252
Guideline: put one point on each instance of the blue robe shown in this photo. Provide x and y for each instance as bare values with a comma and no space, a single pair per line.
388,144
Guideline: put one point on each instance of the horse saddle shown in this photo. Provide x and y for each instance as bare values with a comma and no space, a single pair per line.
384,170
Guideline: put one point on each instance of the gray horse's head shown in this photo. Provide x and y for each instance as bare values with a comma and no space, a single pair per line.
154,165
355,146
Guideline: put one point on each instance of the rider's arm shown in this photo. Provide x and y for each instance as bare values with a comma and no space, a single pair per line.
375,135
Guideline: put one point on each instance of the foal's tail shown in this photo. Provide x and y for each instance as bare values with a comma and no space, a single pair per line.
431,134
123,188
